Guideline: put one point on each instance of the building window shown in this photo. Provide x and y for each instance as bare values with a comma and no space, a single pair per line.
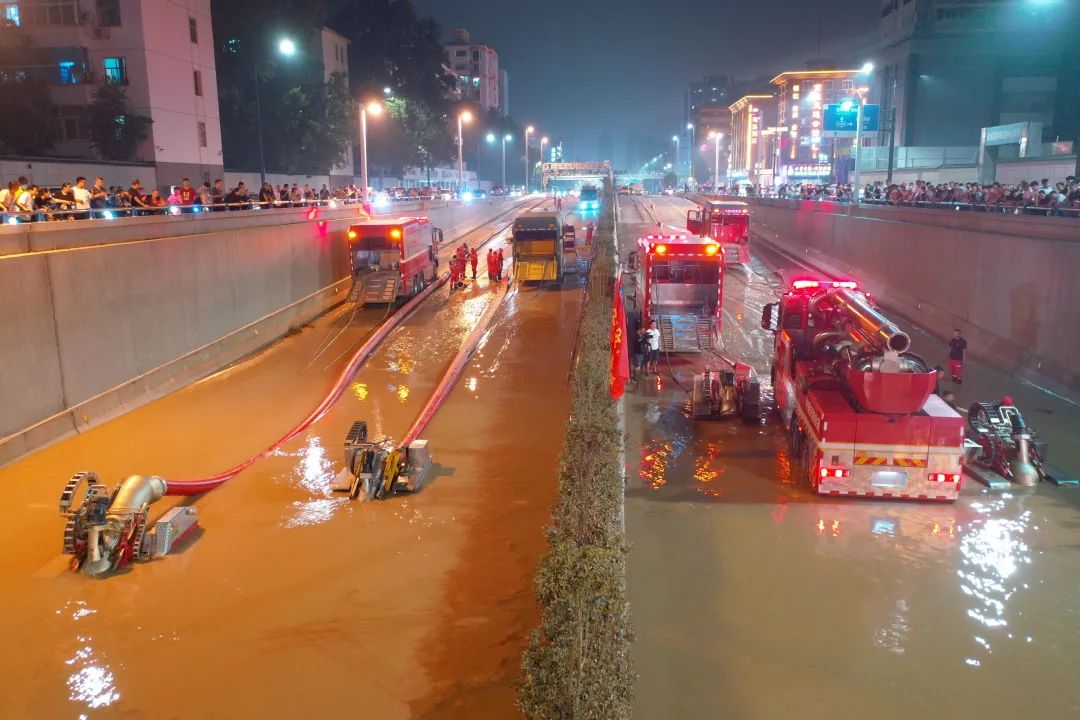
846,84
70,123
476,55
460,53
201,127
476,82
68,74
9,14
198,83
108,13
193,29
115,70
48,12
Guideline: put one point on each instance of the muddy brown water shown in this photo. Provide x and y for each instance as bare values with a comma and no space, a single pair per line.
752,598
292,600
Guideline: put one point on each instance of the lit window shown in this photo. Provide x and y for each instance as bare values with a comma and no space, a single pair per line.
201,127
198,83
476,82
67,72
115,70
9,13
193,29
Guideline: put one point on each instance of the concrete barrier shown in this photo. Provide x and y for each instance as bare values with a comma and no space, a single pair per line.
102,316
1010,283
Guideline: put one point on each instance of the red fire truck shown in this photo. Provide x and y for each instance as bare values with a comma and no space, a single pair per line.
392,258
861,413
728,223
681,285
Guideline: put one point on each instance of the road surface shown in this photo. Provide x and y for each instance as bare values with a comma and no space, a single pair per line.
292,597
751,598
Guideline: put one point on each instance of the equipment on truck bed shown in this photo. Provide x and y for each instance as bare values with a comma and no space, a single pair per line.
538,246
377,470
726,393
728,223
860,410
1001,445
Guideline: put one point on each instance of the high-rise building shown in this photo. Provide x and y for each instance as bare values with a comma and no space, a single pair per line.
802,153
477,68
162,53
753,130
334,50
504,92
952,67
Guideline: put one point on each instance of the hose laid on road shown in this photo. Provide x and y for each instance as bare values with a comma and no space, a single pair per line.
453,373
201,485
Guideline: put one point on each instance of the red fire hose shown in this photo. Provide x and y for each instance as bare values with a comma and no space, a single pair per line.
457,366
203,484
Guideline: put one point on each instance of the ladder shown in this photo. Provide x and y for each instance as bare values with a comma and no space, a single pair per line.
378,287
685,333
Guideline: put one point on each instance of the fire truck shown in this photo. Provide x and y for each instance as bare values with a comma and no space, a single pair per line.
392,259
728,223
861,413
680,287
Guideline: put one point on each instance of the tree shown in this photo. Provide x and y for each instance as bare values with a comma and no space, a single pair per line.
115,133
27,114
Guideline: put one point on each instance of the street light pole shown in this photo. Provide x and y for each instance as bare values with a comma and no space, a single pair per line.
528,130
258,127
463,117
675,139
374,108
506,139
856,148
543,141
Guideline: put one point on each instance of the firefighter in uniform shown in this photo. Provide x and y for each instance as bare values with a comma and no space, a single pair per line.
588,234
473,260
499,265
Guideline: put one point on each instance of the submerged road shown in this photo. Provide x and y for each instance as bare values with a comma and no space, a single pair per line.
752,598
292,597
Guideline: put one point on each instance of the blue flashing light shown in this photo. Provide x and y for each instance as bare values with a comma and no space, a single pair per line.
467,196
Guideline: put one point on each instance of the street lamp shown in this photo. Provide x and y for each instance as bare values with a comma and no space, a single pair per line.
862,92
375,108
286,48
463,117
387,91
529,130
716,137
505,139
543,142
675,139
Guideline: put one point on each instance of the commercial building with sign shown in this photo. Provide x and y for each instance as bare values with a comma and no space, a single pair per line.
802,153
753,134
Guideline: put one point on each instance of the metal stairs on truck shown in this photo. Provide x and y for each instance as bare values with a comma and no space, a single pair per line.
381,287
685,333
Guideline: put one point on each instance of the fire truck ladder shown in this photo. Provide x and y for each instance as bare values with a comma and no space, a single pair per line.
685,332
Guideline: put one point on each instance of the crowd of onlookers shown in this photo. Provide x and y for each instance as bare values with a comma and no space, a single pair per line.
23,201
1035,197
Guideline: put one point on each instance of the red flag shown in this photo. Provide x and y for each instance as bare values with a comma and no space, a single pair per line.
620,356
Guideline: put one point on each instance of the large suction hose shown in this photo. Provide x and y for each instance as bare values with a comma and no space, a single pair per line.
201,485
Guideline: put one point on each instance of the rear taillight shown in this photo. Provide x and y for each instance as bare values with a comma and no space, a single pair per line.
945,477
833,471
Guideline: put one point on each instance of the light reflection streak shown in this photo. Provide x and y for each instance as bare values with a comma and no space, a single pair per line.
93,684
992,551
360,390
313,512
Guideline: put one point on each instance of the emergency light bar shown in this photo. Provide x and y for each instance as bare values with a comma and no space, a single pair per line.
814,284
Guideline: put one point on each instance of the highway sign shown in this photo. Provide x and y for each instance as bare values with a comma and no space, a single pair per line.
839,121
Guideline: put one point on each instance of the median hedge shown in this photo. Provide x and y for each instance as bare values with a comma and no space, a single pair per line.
577,665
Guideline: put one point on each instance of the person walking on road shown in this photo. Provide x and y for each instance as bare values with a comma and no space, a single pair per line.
473,260
652,360
957,355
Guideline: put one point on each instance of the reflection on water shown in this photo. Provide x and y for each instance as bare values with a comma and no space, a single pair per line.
992,550
92,683
360,390
402,393
78,609
303,513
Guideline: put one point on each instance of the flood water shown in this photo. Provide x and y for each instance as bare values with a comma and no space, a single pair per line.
294,601
752,598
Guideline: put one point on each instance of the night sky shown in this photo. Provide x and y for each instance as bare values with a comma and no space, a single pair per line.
580,68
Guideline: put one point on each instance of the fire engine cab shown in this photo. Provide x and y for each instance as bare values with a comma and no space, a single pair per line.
861,413
392,259
728,223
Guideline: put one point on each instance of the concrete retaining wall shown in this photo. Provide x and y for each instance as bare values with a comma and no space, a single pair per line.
102,316
1011,284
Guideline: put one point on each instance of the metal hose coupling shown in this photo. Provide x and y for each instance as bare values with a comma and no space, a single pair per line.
108,531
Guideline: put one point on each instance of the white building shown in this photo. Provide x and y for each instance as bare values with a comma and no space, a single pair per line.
334,50
477,68
161,51
504,92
